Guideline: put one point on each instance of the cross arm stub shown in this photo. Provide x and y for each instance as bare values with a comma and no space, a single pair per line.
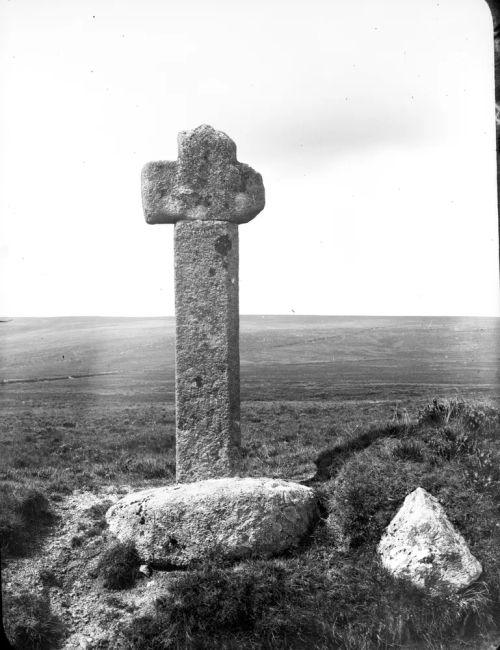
206,183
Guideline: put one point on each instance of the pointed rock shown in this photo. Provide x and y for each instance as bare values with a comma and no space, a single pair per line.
421,545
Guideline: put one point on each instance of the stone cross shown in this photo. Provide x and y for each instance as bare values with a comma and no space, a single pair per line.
206,193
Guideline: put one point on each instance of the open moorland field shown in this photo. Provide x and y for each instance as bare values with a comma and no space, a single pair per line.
88,414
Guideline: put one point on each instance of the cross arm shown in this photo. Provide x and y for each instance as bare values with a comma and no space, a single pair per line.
206,183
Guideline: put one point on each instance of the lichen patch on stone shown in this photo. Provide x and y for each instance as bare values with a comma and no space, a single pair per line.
206,182
235,517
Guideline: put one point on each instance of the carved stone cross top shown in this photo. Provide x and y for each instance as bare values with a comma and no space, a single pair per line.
206,193
206,183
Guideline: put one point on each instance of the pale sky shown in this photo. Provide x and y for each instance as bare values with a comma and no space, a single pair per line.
371,122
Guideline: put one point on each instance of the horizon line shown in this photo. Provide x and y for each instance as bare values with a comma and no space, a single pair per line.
8,318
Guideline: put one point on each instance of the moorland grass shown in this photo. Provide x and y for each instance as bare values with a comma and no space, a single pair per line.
58,450
122,446
318,600
65,448
332,592
30,623
46,458
24,513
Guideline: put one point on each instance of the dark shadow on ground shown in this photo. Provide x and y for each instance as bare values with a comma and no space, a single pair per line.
329,462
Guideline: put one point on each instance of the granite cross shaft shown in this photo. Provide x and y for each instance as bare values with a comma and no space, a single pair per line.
206,193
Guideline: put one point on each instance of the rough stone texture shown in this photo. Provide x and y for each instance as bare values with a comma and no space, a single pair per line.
205,183
206,193
420,544
232,517
207,396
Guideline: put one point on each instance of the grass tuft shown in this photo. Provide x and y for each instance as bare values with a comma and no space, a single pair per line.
473,416
49,578
411,450
24,512
118,565
30,623
98,510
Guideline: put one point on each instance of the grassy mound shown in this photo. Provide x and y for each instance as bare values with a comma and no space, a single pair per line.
333,592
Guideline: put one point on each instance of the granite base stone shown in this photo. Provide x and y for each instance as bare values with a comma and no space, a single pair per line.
229,518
